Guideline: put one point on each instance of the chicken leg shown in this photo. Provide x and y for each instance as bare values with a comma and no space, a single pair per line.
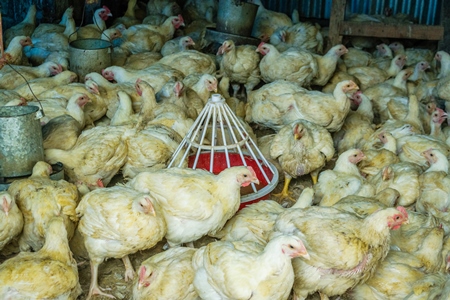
285,192
95,289
315,175
129,271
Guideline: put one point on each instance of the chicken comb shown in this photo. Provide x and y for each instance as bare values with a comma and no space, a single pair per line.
402,210
260,44
252,171
106,9
181,18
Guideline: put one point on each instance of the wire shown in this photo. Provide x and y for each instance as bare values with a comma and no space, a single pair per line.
39,101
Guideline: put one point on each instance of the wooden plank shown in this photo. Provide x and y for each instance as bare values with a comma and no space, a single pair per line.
336,18
412,31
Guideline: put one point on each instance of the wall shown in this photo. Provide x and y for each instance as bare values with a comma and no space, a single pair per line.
48,11
425,12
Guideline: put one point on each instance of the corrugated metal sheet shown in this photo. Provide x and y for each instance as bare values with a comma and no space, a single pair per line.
425,12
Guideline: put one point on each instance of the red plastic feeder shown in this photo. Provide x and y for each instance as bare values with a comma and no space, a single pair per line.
218,140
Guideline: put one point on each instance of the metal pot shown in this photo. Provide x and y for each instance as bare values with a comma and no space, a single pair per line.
21,145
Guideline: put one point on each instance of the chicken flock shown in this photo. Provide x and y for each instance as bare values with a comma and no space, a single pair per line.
366,124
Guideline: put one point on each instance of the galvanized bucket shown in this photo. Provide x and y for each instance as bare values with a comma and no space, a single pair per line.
236,17
21,145
89,55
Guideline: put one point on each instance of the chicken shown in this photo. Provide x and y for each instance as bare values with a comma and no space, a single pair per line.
280,103
11,221
12,78
62,132
357,126
156,75
190,62
380,94
141,227
143,37
299,148
294,65
97,156
409,148
40,198
240,64
376,159
186,98
423,237
198,9
345,249
343,180
24,28
163,7
242,270
38,85
176,189
95,30
202,84
44,28
434,192
414,55
303,35
364,206
254,223
142,60
150,148
334,111
356,58
369,76
53,108
167,275
267,21
177,45
50,273
14,52
402,176
413,283
129,18
326,64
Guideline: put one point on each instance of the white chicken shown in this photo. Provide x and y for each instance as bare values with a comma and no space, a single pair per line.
167,275
11,221
343,180
116,222
245,270
217,198
40,199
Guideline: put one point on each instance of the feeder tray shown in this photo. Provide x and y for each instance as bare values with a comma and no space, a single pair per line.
218,140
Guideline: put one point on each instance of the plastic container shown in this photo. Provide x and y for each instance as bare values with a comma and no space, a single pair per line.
218,140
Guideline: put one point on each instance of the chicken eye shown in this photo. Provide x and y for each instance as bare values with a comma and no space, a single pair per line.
245,175
431,154
290,246
397,217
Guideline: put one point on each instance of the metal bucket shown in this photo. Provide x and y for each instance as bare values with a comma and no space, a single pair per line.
89,55
236,17
21,145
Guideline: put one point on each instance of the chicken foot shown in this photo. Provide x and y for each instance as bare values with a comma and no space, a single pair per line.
129,270
95,289
285,192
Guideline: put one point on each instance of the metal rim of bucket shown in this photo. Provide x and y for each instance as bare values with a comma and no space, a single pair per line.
86,44
17,111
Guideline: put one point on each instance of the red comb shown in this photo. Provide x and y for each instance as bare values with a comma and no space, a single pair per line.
260,44
402,210
252,171
106,8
